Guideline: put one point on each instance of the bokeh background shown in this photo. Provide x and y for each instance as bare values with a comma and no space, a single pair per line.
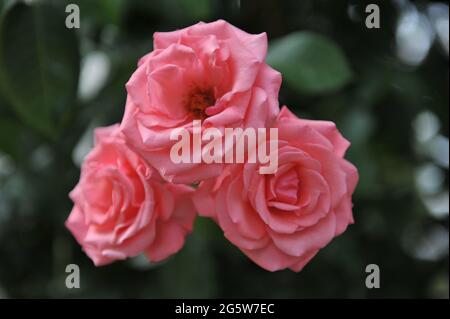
386,88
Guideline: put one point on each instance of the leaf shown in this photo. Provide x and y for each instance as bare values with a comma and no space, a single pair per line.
102,12
198,9
8,137
39,63
309,62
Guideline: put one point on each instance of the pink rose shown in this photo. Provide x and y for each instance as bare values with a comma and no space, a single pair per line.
213,72
122,208
282,220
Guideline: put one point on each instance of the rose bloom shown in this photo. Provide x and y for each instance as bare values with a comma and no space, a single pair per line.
282,220
213,72
122,207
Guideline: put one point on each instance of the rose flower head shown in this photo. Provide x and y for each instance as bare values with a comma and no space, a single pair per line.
123,208
211,72
282,220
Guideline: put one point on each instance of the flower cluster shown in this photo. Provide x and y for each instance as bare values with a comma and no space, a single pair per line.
132,198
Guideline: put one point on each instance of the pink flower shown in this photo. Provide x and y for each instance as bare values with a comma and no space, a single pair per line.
122,208
212,72
282,220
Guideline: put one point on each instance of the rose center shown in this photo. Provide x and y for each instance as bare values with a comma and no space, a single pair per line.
198,101
287,187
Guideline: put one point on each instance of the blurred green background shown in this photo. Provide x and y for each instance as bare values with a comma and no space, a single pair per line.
386,88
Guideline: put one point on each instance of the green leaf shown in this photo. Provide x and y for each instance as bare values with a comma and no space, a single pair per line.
184,11
39,63
309,62
8,137
103,12
196,9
